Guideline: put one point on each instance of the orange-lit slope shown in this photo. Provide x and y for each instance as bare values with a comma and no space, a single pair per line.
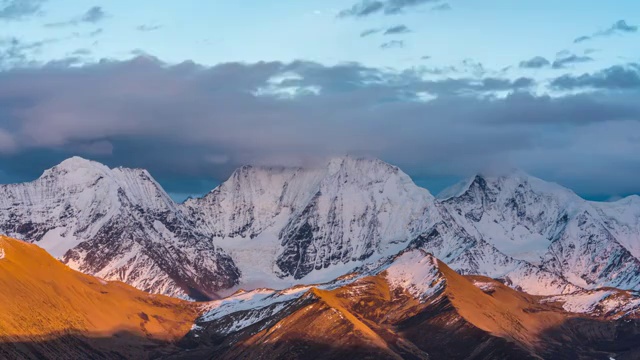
42,299
418,308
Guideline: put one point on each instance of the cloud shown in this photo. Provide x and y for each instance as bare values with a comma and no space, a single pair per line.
619,27
582,39
394,30
369,32
96,32
622,26
19,9
388,7
474,67
393,44
442,7
15,52
92,16
398,29
570,60
190,122
82,52
362,9
617,77
147,28
536,62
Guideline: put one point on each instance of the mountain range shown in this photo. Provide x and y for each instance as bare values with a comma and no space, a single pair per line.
281,227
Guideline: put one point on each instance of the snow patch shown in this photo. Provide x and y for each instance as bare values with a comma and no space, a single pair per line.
416,272
582,303
484,286
253,300
598,302
250,307
58,241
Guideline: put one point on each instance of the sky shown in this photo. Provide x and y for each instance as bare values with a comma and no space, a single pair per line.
191,89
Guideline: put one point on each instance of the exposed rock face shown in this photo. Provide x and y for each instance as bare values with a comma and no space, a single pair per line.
360,208
117,224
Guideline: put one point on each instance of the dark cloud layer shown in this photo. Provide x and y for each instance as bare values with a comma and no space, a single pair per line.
388,7
190,125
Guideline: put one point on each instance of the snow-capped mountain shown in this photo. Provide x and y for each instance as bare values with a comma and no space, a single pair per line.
117,224
277,227
590,244
313,225
338,215
471,254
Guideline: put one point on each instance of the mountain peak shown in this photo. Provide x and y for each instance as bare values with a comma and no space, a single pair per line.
77,162
351,161
80,170
507,182
78,167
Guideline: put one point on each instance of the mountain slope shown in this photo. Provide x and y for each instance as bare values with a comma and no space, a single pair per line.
587,243
622,219
117,224
471,254
51,311
412,307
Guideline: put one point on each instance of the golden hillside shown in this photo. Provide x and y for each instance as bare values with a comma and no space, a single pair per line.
43,300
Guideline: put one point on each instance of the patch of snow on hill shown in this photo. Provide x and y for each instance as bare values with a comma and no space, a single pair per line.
416,272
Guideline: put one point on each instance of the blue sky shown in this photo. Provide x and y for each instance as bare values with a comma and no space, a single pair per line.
495,33
474,85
